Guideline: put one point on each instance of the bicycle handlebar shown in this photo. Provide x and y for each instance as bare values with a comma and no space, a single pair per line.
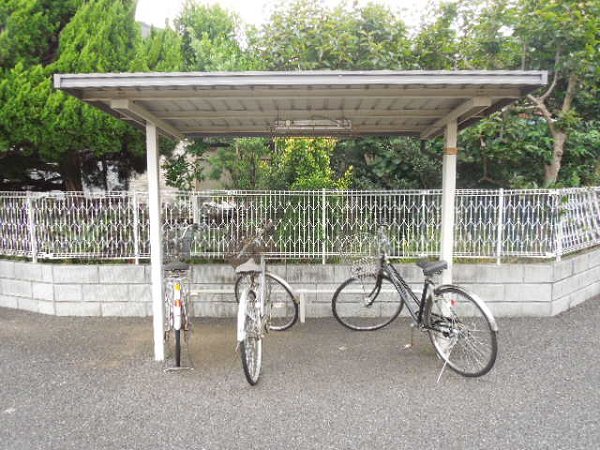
259,239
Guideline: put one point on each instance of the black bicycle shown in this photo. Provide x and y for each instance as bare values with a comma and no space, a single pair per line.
460,325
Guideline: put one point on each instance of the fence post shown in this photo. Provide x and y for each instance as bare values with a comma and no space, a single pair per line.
31,223
500,225
136,228
559,227
324,222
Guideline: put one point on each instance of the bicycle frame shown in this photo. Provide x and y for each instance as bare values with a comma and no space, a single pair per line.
408,296
176,276
429,288
176,292
260,297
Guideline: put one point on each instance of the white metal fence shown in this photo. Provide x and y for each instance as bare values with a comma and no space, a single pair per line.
309,224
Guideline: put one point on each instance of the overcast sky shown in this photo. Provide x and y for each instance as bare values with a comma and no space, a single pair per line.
257,12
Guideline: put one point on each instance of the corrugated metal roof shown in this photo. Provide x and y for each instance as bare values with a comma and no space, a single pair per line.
310,103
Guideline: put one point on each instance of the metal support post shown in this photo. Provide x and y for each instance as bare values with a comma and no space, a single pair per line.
448,198
155,239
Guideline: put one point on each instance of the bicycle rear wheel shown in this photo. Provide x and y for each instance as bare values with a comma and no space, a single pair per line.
177,348
251,345
284,310
366,303
461,331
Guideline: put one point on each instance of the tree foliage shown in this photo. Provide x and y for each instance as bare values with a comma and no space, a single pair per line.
301,164
243,164
161,51
308,35
537,141
209,39
29,30
74,141
50,140
389,163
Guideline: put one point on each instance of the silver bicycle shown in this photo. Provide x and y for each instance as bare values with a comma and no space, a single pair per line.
176,300
266,302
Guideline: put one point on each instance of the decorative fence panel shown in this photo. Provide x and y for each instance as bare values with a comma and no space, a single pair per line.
308,224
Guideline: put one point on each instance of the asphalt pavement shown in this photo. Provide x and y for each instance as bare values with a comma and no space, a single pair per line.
91,383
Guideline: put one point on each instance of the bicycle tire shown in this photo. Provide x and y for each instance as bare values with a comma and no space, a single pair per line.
366,303
177,348
284,312
251,351
461,331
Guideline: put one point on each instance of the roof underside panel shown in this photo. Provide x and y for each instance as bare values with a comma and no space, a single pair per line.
324,103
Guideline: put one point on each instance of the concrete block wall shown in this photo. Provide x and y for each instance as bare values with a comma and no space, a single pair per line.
536,289
76,290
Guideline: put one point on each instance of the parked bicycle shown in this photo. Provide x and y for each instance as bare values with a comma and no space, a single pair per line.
459,324
176,300
266,302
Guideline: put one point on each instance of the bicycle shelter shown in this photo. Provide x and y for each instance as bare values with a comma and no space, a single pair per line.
423,104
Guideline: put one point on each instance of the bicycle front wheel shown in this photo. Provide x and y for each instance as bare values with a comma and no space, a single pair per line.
251,352
284,310
366,303
461,330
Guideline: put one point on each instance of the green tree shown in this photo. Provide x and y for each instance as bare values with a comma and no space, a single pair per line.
29,34
307,35
389,163
29,30
506,150
161,51
436,45
77,141
209,39
560,36
563,37
243,163
305,164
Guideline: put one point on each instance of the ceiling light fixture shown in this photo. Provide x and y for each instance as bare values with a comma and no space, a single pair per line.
312,125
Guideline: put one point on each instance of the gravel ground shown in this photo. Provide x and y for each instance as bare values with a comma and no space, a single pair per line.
73,383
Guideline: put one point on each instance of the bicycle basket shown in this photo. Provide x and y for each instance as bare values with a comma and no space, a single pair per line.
176,246
361,254
244,250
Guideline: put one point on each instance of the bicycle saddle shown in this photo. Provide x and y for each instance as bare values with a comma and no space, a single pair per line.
432,267
176,265
248,266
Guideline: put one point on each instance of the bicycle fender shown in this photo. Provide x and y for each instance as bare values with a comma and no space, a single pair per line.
241,316
478,299
284,283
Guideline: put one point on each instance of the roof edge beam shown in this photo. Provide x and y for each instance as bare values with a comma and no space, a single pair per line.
136,112
252,94
252,130
305,114
459,114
